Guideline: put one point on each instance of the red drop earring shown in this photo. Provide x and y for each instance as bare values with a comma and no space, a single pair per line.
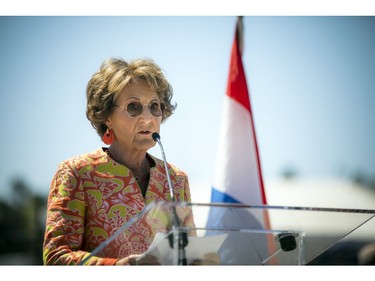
108,136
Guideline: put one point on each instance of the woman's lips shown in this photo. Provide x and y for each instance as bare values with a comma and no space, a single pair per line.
144,132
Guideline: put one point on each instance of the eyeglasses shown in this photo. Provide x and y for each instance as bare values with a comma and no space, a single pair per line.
135,108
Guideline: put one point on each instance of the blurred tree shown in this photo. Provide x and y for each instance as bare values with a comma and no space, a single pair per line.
22,225
362,179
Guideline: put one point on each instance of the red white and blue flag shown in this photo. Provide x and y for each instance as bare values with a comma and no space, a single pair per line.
238,176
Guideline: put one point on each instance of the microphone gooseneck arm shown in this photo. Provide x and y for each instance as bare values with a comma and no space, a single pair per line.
156,137
177,236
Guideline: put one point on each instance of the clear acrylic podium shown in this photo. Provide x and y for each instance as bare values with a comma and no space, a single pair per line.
235,234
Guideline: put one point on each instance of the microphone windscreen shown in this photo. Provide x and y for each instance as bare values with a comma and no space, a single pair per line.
155,136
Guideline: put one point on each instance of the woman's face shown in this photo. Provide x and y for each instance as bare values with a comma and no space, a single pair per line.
134,133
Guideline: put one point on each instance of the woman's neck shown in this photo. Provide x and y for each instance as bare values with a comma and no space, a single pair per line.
136,161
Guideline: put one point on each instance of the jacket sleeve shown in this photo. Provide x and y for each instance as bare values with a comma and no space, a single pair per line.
65,222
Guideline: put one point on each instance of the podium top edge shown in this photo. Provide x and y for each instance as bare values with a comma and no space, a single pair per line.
275,207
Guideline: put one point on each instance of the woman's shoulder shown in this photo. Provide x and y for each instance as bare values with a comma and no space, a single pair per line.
91,158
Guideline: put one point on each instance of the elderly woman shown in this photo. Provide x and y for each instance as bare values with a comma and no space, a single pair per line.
93,194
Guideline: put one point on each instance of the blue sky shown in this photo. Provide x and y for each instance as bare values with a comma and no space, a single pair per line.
311,81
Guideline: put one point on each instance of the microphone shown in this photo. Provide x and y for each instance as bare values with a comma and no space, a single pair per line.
156,137
182,236
176,221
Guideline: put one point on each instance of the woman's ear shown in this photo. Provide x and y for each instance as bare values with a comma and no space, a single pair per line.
108,123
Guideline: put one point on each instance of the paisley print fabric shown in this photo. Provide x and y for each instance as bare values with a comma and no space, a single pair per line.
91,196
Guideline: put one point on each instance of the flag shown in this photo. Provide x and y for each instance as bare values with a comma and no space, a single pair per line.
238,176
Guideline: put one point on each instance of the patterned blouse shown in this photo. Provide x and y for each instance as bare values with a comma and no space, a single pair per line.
92,196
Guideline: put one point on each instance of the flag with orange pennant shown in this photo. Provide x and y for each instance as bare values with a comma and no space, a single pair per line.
238,174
